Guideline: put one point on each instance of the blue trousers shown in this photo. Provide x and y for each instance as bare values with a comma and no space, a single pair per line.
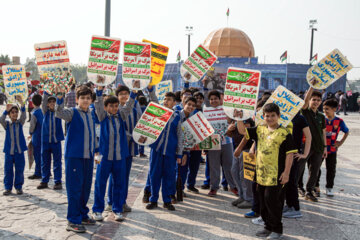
148,185
183,171
37,158
118,172
194,164
46,151
78,176
19,161
207,174
141,149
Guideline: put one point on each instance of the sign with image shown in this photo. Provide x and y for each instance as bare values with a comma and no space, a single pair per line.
196,129
162,88
15,82
210,143
249,165
217,119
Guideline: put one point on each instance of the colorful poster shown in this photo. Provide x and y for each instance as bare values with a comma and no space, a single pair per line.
196,129
197,64
136,67
211,143
151,124
159,55
249,165
289,105
103,60
217,118
162,88
15,82
328,70
241,93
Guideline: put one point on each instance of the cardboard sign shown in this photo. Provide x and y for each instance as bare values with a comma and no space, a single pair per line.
249,165
15,82
211,143
198,63
151,124
159,55
196,129
289,105
136,65
241,93
217,119
103,60
162,88
328,70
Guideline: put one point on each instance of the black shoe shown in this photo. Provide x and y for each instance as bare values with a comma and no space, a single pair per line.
309,196
19,191
32,177
57,186
173,199
146,197
78,228
143,155
7,192
263,233
169,206
205,186
225,188
88,221
193,189
42,185
151,205
302,192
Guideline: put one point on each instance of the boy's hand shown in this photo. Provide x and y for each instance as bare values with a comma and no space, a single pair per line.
325,153
300,156
19,99
8,107
284,178
184,159
237,152
231,127
178,160
337,144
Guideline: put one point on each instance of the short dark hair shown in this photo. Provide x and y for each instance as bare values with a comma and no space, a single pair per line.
14,107
271,107
185,90
190,99
37,99
177,96
142,100
73,87
83,91
93,97
316,93
198,93
110,99
214,93
170,94
331,103
51,98
267,93
260,103
122,88
89,84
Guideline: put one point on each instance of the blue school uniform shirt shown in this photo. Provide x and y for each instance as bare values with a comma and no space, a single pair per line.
52,131
37,119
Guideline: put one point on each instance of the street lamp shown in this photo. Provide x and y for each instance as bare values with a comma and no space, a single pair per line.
107,17
311,26
189,30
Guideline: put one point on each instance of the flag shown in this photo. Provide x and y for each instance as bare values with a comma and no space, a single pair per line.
283,57
314,59
178,58
228,12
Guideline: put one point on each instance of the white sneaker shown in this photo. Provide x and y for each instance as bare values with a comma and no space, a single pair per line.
97,216
329,192
285,208
258,221
119,217
274,235
108,208
292,213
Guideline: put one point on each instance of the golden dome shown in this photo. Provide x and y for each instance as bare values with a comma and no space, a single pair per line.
229,42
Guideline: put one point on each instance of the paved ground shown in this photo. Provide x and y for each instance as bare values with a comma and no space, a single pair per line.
41,214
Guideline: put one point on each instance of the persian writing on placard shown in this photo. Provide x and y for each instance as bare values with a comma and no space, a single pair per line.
103,60
136,68
151,124
159,55
329,69
217,119
197,64
210,143
289,105
15,82
241,93
249,161
196,129
162,88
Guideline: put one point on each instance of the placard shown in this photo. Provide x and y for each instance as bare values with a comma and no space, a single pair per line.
197,64
162,88
241,93
249,161
217,118
136,68
103,60
211,143
328,70
196,129
159,55
151,124
15,82
289,105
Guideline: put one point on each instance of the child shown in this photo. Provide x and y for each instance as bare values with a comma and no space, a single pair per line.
275,148
35,134
51,137
14,147
80,147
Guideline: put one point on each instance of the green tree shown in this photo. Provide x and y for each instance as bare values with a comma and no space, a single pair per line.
79,72
5,59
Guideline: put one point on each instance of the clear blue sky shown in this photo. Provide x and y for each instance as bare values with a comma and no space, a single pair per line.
273,25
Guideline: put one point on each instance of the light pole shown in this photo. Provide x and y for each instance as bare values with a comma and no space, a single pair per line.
189,30
107,17
311,26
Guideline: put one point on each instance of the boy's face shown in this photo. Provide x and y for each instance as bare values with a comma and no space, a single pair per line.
169,102
112,108
271,118
329,112
199,101
123,96
214,101
184,97
14,114
315,102
84,101
51,104
189,107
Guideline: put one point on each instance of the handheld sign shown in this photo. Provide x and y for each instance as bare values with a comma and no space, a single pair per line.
198,63
15,82
328,70
241,93
249,165
196,129
217,119
162,88
289,105
159,55
136,66
151,124
103,60
210,143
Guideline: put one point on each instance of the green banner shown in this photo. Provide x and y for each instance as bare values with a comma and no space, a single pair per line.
145,133
136,49
155,111
102,72
103,61
240,94
101,43
203,53
135,76
238,76
136,65
238,106
151,125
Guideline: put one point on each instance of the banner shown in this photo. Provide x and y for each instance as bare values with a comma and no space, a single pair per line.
241,93
211,143
151,124
217,118
159,55
196,129
103,60
136,65
328,70
197,64
162,88
249,165
289,105
15,82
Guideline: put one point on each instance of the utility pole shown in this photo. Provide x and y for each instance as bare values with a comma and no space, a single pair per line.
311,26
189,30
107,17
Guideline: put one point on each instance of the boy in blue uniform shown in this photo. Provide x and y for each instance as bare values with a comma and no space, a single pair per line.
51,137
14,147
35,134
80,147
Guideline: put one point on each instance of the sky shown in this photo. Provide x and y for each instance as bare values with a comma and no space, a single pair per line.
273,25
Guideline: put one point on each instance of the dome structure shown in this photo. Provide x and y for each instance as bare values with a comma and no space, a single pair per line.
229,42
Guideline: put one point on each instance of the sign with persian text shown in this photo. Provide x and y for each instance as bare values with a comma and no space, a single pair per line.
210,143
249,161
196,129
162,88
15,82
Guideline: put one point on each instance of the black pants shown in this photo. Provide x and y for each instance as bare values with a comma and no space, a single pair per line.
256,201
291,194
271,206
330,171
314,163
